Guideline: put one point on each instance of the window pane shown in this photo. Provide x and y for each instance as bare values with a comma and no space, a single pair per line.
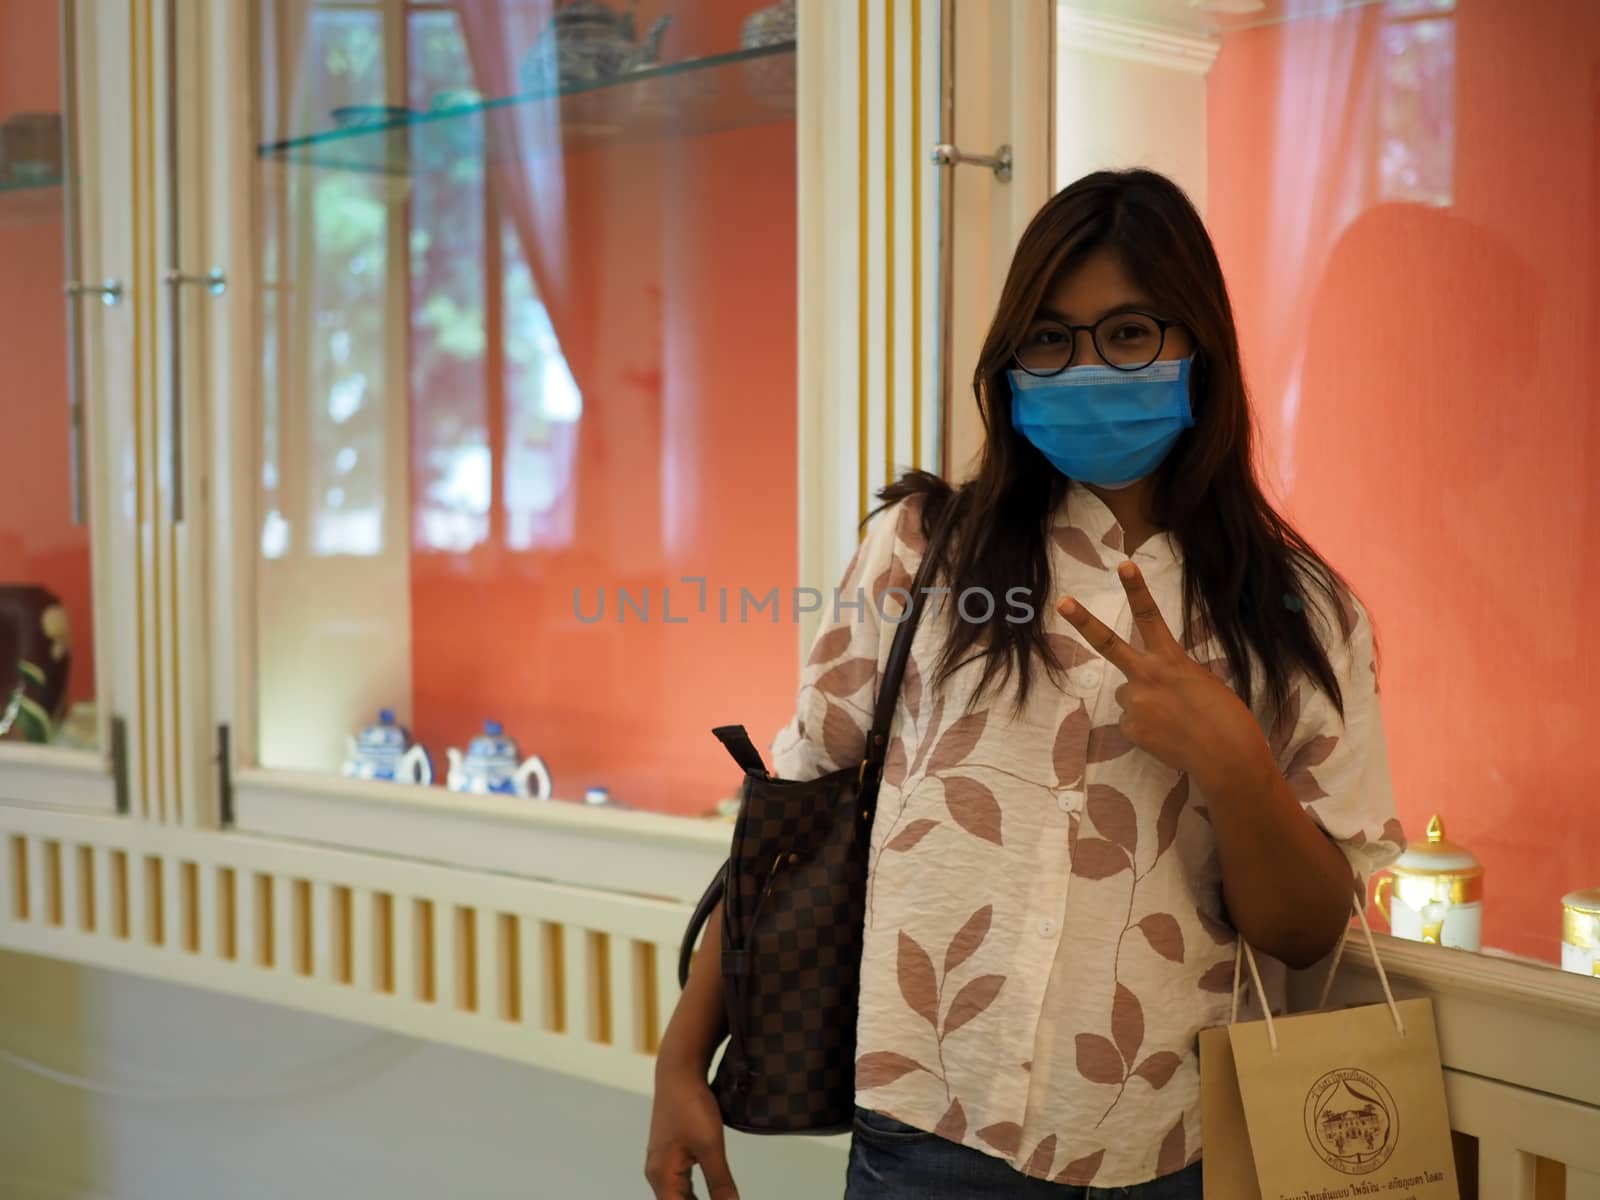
1418,295
1406,201
534,354
47,651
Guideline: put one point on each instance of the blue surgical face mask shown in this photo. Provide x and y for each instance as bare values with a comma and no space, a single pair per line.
1103,426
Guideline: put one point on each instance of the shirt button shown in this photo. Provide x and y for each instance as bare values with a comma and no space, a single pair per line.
1090,673
1047,927
1070,802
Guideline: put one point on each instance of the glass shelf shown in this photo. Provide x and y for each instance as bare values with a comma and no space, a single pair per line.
8,186
684,99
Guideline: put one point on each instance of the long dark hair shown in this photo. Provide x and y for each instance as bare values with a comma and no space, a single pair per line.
1246,569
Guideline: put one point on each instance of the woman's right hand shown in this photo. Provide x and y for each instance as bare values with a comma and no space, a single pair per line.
686,1131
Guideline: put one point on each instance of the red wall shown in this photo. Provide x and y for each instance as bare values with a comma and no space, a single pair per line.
1425,378
678,322
38,542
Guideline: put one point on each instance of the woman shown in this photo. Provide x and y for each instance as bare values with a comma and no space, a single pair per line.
1148,726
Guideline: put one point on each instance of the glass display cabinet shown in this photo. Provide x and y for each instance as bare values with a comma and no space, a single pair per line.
498,370
570,342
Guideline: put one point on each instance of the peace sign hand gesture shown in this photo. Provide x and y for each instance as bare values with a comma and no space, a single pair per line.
1172,707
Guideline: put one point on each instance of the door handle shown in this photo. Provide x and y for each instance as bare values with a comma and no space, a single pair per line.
1000,162
109,291
214,281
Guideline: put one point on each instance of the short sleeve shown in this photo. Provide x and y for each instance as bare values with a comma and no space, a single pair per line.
833,710
1338,767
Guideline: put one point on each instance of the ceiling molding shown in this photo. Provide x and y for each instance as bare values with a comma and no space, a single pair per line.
1135,41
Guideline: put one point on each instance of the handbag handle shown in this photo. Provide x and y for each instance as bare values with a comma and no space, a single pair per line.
1244,953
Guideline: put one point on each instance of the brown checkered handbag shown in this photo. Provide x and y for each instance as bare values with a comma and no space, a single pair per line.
793,899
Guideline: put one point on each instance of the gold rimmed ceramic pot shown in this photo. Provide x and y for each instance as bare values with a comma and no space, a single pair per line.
1437,891
1580,932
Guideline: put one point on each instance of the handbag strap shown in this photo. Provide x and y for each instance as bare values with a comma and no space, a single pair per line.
1243,951
737,740
709,899
900,649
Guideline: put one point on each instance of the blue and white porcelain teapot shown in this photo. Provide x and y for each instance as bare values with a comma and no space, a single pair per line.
386,751
490,765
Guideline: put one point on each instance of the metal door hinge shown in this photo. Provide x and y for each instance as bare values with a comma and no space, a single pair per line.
224,776
119,765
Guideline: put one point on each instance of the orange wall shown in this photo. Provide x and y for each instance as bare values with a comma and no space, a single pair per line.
679,326
38,543
1425,379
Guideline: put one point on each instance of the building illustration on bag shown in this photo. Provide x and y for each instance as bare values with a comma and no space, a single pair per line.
1364,1124
1351,1120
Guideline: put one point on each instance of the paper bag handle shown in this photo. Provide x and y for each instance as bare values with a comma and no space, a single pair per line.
1243,953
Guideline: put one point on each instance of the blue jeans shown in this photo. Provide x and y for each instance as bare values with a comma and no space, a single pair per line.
893,1161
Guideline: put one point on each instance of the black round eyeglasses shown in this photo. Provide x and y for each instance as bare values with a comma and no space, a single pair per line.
1125,341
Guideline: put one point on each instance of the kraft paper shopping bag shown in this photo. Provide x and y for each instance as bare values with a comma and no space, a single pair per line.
1347,1103
1230,1168
1229,1164
1342,1103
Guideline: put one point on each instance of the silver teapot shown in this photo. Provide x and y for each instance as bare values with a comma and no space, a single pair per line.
769,78
588,42
769,27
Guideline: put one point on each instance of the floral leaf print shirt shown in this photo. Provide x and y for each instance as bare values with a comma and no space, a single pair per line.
1045,932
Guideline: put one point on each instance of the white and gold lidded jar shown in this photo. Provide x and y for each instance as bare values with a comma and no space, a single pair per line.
1438,893
1580,932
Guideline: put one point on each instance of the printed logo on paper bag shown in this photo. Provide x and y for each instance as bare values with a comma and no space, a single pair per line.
1351,1120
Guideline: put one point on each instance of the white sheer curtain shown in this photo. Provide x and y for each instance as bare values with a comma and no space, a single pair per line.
524,141
1322,180
285,27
